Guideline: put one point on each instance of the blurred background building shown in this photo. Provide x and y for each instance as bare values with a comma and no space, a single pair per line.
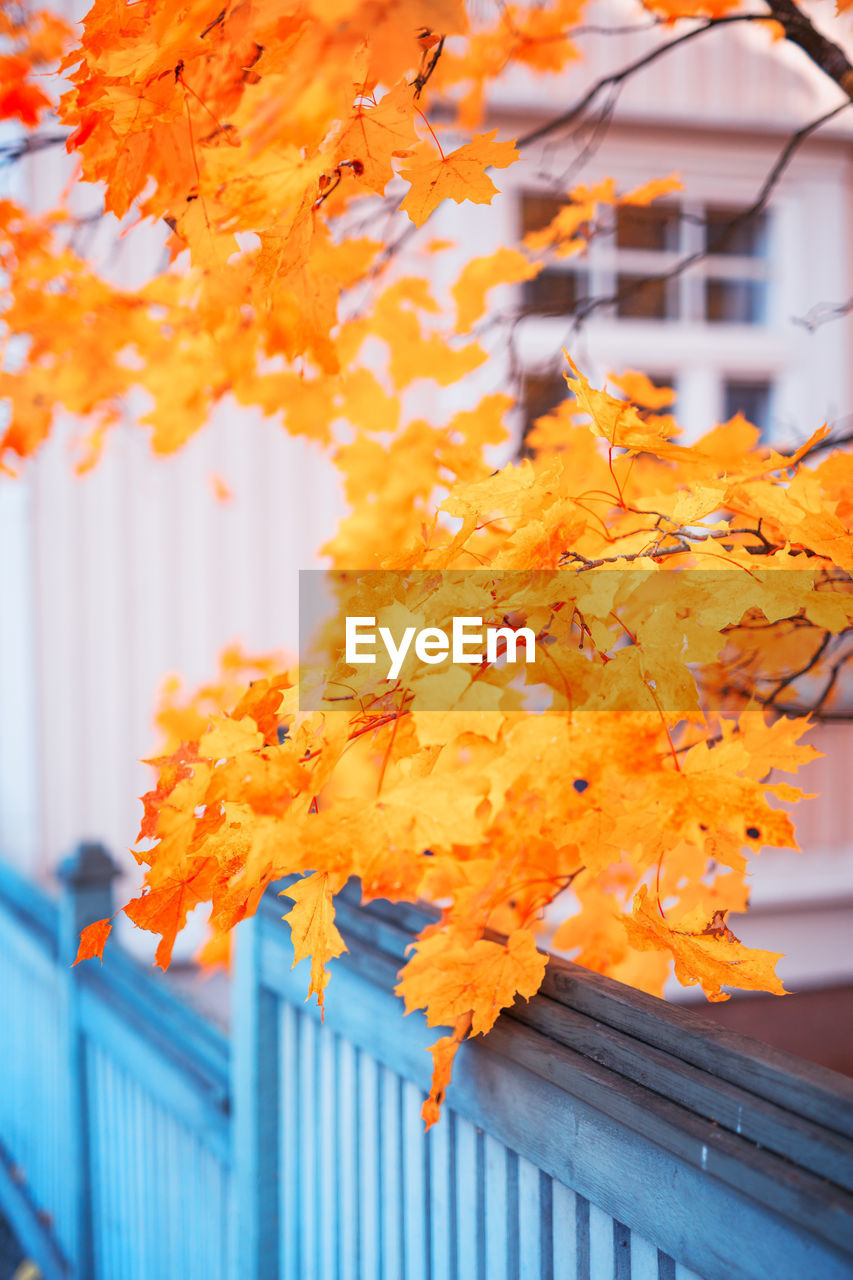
148,566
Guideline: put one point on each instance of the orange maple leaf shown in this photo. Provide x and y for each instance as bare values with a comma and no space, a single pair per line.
376,134
459,175
18,97
92,940
164,908
450,977
704,949
443,1055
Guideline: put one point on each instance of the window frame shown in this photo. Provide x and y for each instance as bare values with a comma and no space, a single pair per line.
703,355
604,261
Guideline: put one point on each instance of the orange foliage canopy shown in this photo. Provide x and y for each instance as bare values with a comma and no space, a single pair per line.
278,142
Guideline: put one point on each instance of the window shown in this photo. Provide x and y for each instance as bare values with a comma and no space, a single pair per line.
541,393
706,326
649,230
633,257
734,301
557,289
554,293
751,398
727,232
647,226
735,270
642,299
537,211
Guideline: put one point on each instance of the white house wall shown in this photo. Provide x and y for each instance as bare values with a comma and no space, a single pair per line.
117,578
733,77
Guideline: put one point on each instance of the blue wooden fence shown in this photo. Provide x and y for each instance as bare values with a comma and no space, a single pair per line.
115,1131
597,1134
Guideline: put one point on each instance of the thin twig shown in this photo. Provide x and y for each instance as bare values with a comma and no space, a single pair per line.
822,313
617,77
32,143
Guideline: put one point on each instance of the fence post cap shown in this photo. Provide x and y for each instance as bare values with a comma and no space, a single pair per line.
90,864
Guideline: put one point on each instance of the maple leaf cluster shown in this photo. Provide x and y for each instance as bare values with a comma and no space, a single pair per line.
31,40
288,150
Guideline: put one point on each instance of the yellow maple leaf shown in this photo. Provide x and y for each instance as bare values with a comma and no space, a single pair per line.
450,977
312,926
649,191
505,266
704,949
227,737
619,422
640,388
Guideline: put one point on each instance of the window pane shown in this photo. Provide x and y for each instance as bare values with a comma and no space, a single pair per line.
751,398
538,211
735,301
655,227
746,239
642,299
553,293
541,393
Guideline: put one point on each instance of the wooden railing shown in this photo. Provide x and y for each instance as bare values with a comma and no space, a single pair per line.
115,1133
597,1134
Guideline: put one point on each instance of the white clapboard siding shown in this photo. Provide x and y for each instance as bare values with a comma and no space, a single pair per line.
117,578
737,77
19,800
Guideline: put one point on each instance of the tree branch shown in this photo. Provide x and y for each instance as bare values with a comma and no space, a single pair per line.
616,78
822,313
822,51
29,145
587,306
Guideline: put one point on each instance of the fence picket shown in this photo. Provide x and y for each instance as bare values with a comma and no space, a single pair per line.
564,1232
529,1221
416,1173
348,1175
644,1259
391,1179
469,1204
499,1221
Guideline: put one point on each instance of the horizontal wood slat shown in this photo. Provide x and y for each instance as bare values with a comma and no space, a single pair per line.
792,1084
768,1125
